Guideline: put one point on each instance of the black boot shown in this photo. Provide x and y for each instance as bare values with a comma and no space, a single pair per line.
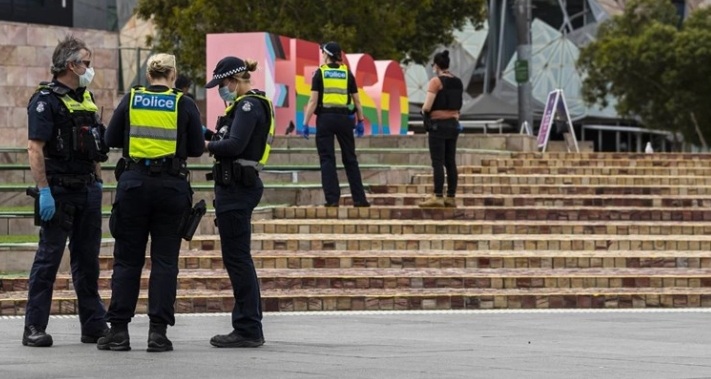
235,340
157,340
93,337
36,337
116,340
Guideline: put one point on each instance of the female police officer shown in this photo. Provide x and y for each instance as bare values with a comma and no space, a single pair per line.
158,128
240,150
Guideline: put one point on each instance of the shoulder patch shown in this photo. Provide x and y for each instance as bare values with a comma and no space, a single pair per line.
41,106
247,106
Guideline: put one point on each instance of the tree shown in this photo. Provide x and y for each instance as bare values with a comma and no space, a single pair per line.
655,66
386,29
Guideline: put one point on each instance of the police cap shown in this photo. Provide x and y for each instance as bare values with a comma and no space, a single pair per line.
332,49
226,67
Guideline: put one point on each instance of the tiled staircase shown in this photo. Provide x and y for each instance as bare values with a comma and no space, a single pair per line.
531,230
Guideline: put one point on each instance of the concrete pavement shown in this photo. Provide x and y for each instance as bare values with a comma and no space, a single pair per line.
448,344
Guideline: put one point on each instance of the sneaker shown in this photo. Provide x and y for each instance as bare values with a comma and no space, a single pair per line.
235,340
432,202
157,339
93,337
36,337
449,202
116,340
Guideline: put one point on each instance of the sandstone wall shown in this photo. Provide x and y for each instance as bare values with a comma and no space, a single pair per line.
25,57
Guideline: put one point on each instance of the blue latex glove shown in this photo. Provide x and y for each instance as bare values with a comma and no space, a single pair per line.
304,131
100,185
460,128
46,203
360,129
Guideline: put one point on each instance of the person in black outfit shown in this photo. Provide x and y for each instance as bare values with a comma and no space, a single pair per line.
158,129
441,112
333,88
65,147
183,83
241,149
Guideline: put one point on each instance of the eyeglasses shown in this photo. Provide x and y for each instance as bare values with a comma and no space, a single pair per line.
86,63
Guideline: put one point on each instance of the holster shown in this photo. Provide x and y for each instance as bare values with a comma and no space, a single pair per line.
120,168
223,172
63,216
191,220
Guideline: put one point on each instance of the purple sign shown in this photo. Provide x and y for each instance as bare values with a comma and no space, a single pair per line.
547,121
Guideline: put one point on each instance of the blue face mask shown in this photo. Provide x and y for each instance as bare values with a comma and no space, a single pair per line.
226,95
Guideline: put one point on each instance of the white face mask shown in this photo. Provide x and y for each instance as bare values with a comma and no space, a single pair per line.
226,95
86,78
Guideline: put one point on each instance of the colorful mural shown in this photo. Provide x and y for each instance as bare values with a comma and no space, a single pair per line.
286,66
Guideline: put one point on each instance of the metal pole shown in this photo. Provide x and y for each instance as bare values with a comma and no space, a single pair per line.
523,50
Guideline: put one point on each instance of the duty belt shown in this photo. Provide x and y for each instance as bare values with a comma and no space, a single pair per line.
247,163
71,181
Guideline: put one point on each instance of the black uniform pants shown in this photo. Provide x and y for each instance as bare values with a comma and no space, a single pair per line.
145,206
443,152
84,244
234,205
341,126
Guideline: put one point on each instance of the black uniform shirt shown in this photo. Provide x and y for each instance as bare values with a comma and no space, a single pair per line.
188,122
247,137
43,111
317,82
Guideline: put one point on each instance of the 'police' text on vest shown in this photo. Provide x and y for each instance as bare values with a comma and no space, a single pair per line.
334,74
154,102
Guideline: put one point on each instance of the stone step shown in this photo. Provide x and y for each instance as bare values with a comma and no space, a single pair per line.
601,155
588,171
342,299
505,189
378,173
353,278
472,200
478,227
347,259
597,163
572,179
418,242
497,213
13,195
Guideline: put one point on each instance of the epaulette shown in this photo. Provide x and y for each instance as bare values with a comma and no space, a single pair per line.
45,88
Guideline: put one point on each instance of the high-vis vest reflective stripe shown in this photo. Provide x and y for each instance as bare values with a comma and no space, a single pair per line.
335,86
87,105
153,118
270,137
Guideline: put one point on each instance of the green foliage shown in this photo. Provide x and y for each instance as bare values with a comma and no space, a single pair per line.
656,67
386,29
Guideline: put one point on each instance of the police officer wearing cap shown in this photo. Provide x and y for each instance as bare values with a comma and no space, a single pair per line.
241,148
333,88
65,147
158,129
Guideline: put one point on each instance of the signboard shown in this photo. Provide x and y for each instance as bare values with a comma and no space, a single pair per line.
556,107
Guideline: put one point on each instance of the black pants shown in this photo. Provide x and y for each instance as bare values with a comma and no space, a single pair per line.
443,152
84,244
147,205
339,125
234,205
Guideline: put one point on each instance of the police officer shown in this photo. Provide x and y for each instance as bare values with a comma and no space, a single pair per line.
442,105
241,148
158,129
333,88
65,147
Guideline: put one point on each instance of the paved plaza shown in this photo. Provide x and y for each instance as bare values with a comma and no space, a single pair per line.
444,344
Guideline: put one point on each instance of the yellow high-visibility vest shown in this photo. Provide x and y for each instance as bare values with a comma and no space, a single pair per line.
87,104
335,86
270,137
153,120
